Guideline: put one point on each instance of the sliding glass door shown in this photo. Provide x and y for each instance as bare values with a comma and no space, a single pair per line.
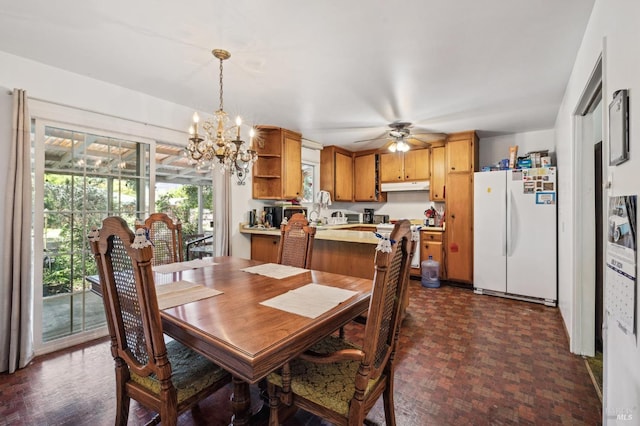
85,178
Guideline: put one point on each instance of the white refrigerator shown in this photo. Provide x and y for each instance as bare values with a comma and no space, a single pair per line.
514,244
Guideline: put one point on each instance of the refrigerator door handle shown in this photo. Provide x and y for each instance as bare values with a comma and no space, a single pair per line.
503,228
509,220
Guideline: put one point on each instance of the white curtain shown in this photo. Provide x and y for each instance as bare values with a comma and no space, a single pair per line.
16,290
222,194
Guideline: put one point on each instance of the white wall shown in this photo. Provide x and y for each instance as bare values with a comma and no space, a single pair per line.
612,32
495,148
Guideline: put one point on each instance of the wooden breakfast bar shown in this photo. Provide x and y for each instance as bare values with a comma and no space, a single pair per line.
340,249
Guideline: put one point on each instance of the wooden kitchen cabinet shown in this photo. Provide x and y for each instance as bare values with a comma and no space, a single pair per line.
431,245
417,165
459,220
277,174
366,180
462,162
405,166
336,173
391,169
265,248
438,174
461,156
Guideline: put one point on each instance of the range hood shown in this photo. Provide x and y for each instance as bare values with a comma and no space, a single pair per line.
419,185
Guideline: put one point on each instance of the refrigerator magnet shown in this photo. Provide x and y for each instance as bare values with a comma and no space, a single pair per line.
545,197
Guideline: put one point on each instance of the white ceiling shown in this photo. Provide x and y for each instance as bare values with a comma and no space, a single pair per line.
336,71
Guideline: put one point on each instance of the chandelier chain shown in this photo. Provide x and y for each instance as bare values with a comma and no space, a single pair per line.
221,89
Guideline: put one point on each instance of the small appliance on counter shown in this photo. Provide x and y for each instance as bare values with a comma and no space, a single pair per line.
380,218
354,217
273,215
367,217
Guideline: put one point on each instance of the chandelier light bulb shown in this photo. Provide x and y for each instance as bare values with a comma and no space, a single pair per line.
238,123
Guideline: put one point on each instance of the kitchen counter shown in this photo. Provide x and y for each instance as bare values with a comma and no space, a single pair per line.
347,249
328,232
336,232
432,228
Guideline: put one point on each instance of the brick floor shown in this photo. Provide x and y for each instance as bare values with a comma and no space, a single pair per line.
465,359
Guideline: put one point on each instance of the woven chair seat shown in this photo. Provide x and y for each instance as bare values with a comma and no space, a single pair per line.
190,372
329,385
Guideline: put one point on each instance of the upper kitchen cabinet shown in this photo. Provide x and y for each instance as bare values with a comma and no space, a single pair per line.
277,174
438,173
462,152
366,182
405,166
336,173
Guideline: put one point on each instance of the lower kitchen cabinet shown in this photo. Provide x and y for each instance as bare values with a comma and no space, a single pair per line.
265,248
431,245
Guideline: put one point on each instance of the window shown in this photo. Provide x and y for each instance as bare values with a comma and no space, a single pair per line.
308,179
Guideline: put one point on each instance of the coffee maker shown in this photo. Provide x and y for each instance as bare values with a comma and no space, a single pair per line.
367,217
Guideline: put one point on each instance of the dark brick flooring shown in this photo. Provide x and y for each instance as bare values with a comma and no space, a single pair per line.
465,359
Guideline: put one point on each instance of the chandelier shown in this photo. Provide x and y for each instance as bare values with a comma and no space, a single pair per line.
220,144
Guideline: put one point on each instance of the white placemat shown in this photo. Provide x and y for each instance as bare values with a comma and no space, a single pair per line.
311,300
274,270
181,292
183,266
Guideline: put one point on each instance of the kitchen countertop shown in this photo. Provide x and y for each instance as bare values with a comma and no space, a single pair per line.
330,232
335,232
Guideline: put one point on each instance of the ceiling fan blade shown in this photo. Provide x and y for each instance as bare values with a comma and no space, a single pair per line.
417,142
372,140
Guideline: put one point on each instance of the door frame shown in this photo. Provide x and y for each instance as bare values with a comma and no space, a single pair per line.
583,322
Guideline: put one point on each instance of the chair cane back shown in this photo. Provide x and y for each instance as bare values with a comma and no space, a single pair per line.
166,236
340,381
167,378
296,242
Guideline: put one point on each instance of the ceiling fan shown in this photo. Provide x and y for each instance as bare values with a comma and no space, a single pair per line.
400,138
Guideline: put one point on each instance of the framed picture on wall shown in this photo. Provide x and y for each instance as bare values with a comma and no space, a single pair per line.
619,128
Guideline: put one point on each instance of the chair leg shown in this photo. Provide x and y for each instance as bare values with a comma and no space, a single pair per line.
274,403
122,399
389,408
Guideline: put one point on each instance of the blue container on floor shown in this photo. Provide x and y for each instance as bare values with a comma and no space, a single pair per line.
430,273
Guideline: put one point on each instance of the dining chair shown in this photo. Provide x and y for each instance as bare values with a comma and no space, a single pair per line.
296,242
166,235
168,378
340,381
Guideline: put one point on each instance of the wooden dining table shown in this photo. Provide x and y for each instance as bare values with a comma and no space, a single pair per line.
249,339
